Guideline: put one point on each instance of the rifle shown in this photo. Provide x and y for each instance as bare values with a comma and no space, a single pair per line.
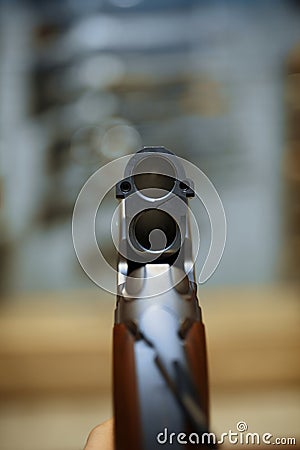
160,377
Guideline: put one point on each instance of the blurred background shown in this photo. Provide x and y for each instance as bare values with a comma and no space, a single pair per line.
84,82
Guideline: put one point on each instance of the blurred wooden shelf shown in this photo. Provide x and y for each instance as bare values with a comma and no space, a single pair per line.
55,356
63,341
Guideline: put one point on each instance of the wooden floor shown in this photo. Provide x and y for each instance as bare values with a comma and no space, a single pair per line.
55,364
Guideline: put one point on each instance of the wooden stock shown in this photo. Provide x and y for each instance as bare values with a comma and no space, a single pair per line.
126,407
126,402
195,345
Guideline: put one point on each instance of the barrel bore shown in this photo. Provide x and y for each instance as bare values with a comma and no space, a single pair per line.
154,176
154,230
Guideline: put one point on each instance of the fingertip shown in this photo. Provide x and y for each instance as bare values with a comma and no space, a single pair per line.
101,437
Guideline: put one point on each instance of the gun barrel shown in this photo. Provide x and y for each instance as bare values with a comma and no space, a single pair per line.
160,364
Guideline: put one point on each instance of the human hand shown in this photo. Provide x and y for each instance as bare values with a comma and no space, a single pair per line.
101,437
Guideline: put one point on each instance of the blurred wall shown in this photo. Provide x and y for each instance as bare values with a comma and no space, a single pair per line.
85,82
